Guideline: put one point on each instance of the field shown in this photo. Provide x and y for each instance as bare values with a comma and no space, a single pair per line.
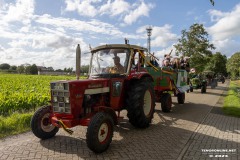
20,95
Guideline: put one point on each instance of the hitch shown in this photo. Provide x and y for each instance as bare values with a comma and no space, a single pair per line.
65,127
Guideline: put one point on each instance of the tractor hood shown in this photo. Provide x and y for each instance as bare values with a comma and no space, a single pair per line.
86,86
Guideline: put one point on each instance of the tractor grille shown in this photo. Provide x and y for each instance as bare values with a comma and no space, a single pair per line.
60,97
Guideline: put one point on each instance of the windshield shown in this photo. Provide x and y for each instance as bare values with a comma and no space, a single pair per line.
110,61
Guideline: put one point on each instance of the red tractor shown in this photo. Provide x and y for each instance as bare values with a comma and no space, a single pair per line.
120,77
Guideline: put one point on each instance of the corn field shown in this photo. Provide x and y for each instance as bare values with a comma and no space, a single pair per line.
21,93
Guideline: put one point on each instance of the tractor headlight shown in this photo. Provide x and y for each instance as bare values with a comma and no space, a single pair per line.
55,99
66,99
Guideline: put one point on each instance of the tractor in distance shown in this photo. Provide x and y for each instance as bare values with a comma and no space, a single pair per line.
121,76
197,81
211,78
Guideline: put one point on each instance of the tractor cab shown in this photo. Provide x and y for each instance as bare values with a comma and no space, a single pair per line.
109,62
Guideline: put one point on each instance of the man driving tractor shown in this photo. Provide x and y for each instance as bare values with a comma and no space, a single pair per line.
118,68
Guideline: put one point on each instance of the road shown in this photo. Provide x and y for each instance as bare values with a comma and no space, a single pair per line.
185,133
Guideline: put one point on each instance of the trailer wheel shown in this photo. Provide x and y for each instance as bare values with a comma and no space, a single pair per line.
141,103
203,88
166,102
191,89
100,132
41,125
181,98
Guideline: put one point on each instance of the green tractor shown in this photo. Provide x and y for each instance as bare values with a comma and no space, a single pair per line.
197,81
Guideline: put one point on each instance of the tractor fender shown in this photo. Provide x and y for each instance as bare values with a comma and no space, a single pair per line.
108,110
140,75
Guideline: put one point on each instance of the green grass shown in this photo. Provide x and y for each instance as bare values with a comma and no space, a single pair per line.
232,100
15,124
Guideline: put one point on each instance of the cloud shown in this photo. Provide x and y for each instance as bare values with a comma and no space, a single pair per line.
1,49
114,8
19,43
227,24
9,34
78,25
128,13
92,26
84,7
22,11
161,36
216,15
141,10
227,46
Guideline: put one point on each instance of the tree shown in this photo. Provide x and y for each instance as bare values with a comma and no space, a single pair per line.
4,66
233,65
194,43
27,69
59,70
20,69
69,70
33,69
84,68
217,63
14,68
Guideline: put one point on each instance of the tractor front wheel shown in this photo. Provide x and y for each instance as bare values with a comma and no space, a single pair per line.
141,103
41,124
100,132
166,102
181,98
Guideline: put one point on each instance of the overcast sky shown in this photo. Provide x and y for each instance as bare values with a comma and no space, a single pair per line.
46,32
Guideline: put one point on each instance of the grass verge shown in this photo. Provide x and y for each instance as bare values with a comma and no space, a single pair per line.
15,124
231,104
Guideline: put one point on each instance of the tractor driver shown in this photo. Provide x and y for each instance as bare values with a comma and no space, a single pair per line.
118,68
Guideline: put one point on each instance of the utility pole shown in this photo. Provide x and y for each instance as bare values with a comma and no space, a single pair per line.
149,33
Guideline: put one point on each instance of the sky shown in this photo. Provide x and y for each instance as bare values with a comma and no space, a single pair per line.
46,32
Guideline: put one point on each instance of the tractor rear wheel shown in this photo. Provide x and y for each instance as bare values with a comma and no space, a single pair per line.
203,88
181,98
191,89
100,132
141,103
166,102
41,124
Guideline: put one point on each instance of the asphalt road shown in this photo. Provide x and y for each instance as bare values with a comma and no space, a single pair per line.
181,134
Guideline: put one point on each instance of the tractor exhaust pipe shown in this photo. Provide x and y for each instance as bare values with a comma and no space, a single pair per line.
78,61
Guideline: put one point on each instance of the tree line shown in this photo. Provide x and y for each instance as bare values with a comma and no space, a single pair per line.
33,69
27,68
